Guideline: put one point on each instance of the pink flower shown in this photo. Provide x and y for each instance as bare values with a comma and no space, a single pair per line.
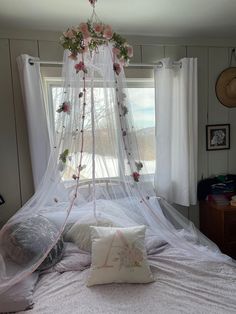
98,27
69,34
87,40
66,107
130,51
73,56
116,51
117,68
83,28
80,67
107,32
87,35
136,176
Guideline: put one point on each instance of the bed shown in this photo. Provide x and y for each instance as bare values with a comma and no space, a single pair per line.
181,286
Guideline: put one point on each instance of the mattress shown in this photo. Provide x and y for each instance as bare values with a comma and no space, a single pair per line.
181,286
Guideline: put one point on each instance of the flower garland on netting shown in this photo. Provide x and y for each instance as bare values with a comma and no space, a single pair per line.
87,37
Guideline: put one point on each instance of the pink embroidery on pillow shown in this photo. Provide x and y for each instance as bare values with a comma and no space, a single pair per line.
129,255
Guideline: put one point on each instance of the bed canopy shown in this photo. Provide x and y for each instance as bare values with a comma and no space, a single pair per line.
94,116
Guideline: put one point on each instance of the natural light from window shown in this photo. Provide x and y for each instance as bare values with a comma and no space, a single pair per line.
143,109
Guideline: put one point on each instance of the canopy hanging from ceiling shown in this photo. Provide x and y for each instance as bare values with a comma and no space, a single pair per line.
94,134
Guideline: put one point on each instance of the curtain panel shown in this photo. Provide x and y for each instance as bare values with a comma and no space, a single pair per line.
176,131
32,92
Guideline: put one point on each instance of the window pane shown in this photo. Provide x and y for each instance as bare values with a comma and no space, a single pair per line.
106,151
143,107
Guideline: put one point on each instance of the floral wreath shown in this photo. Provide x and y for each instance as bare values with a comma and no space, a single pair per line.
88,36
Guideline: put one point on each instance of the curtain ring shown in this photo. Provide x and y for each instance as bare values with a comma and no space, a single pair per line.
31,62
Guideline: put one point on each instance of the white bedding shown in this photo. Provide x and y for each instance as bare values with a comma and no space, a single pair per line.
181,286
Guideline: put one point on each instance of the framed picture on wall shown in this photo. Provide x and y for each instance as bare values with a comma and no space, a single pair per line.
218,136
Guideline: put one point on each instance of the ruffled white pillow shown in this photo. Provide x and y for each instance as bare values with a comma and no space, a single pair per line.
80,233
119,255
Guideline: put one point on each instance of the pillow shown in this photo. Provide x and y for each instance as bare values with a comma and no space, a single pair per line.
80,231
20,296
73,260
26,240
119,255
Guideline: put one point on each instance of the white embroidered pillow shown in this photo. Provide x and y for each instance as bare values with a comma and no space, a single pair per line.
119,255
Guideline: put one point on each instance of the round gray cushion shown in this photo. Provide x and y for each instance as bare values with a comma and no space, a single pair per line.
26,241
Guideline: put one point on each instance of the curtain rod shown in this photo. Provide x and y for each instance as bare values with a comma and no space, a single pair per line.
146,65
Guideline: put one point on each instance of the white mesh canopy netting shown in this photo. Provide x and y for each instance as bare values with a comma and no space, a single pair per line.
94,134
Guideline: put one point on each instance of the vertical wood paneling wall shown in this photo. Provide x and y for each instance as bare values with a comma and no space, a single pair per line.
16,183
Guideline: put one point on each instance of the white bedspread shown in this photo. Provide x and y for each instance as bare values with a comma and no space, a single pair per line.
182,286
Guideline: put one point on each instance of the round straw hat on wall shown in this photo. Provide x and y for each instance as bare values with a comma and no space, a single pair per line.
226,87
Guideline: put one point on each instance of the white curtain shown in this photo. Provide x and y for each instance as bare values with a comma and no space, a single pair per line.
176,131
34,105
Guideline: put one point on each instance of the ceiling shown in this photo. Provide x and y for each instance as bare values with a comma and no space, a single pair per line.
182,18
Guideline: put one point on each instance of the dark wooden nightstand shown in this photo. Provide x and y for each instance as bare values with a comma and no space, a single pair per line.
218,223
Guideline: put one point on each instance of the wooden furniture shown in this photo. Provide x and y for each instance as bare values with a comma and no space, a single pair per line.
218,223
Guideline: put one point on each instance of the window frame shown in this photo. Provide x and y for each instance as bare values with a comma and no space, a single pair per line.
50,82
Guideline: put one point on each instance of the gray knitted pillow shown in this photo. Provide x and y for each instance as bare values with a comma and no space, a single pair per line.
26,241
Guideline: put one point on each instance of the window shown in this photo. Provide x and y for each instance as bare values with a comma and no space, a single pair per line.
142,100
141,95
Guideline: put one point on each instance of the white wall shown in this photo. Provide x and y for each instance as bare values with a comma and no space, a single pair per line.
16,183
